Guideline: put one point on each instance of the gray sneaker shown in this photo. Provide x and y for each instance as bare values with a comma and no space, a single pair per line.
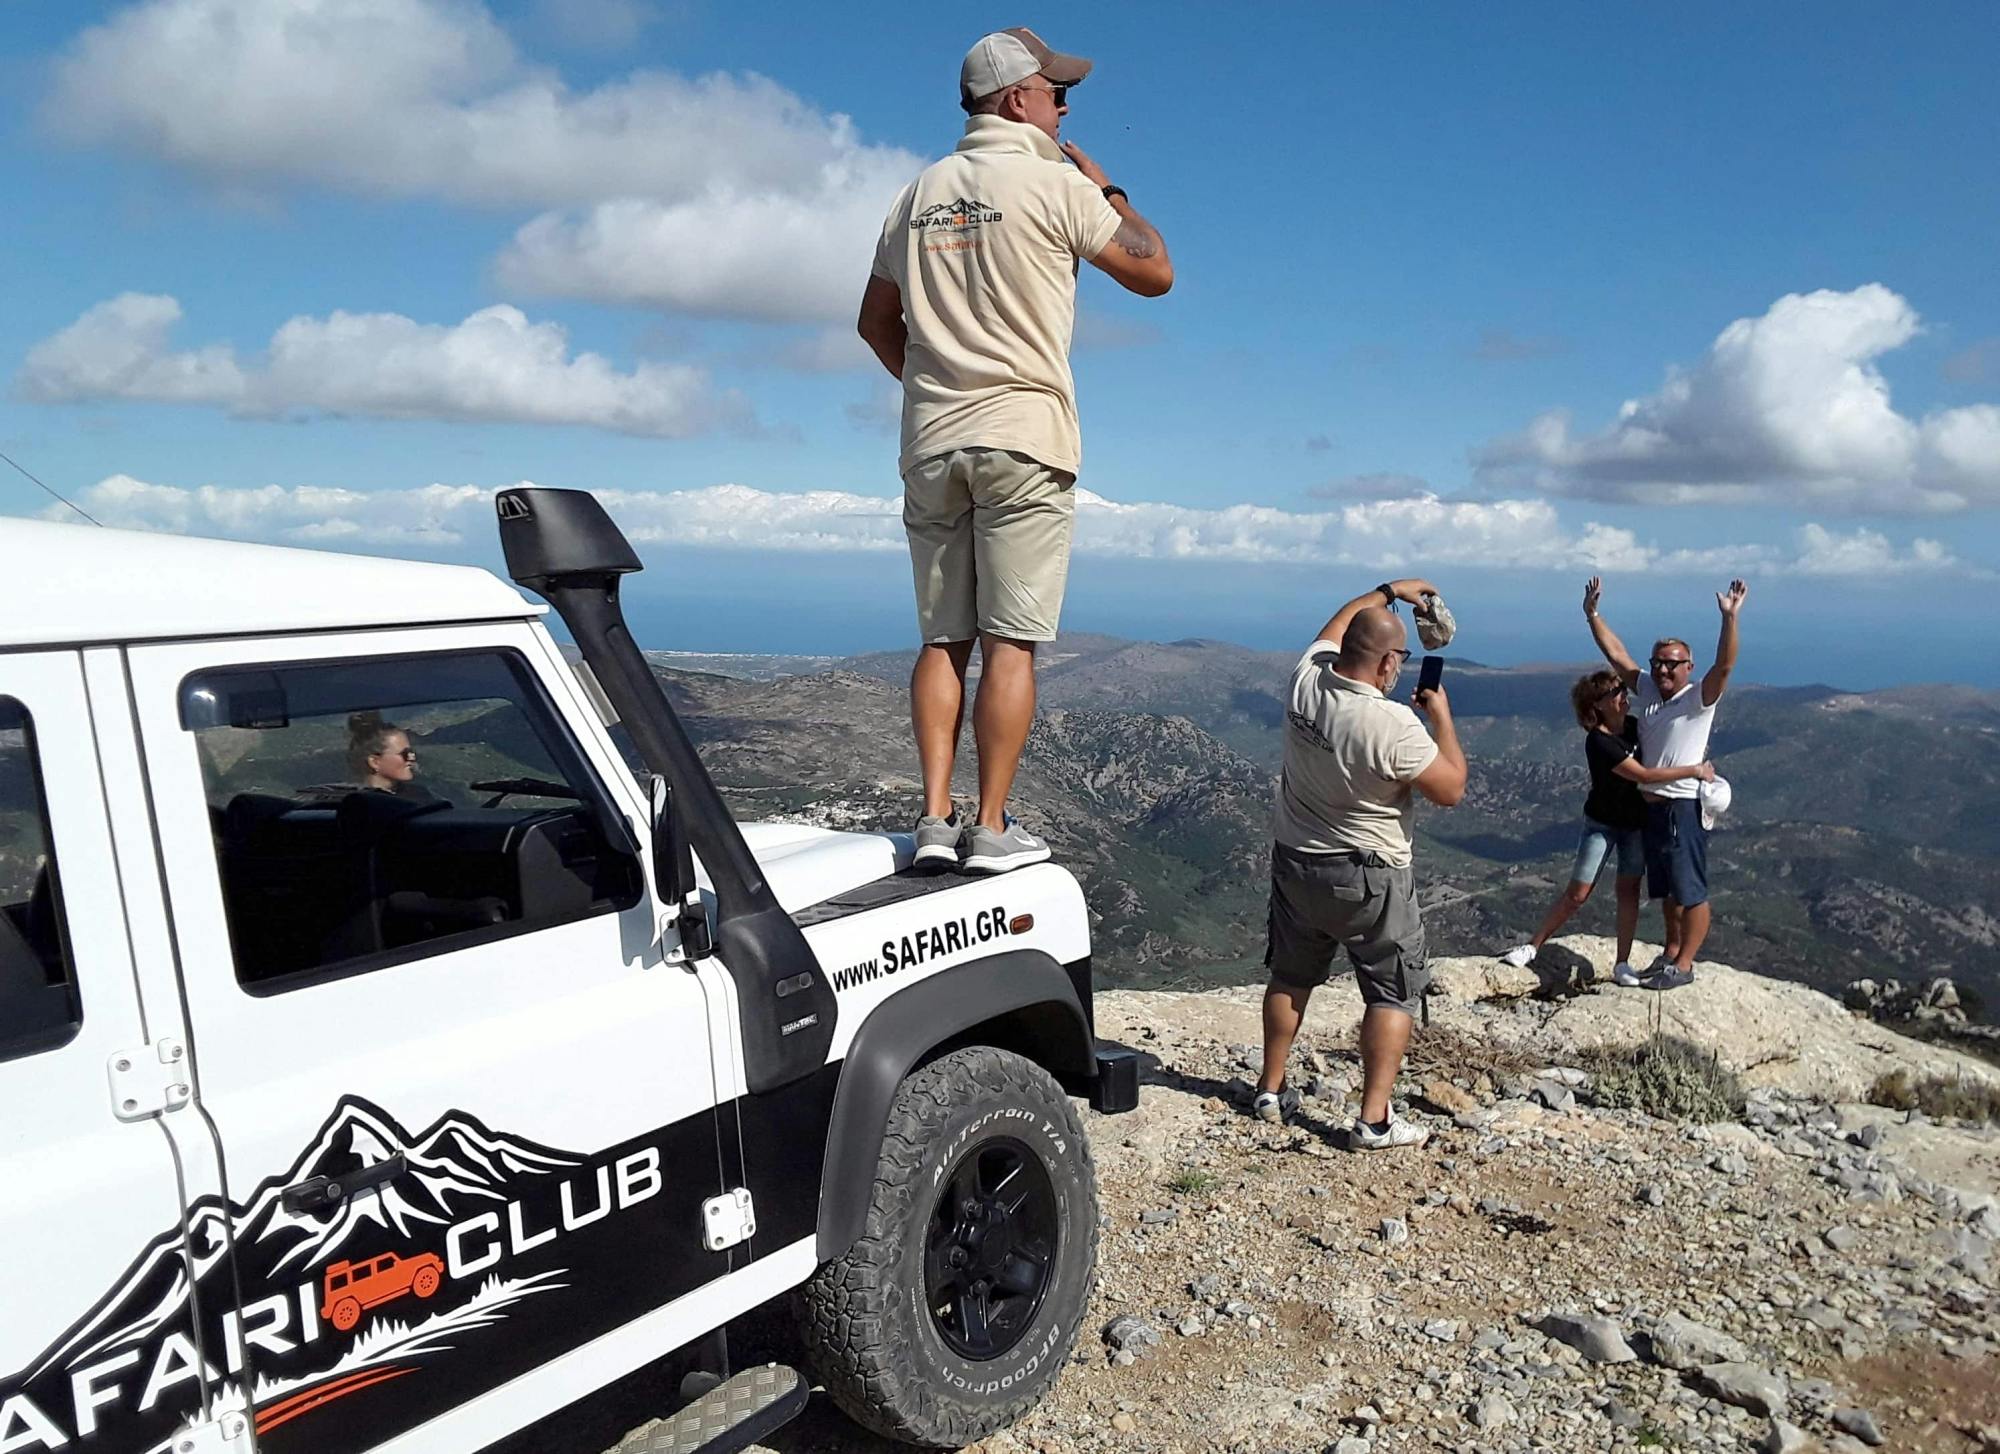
937,842
990,852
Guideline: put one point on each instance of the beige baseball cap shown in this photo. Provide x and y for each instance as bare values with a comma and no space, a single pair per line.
1008,57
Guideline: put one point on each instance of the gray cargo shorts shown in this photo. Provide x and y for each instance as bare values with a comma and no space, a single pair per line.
1321,902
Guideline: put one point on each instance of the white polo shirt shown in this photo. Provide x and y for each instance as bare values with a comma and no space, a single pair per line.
1673,732
1350,757
984,248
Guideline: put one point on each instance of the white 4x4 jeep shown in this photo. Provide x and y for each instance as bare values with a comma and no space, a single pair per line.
383,1067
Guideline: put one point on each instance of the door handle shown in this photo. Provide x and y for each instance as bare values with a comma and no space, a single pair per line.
318,1192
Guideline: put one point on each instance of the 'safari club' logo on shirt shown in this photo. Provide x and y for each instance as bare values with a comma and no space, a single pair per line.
962,215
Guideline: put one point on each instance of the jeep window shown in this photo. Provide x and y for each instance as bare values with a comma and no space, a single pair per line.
371,811
39,1009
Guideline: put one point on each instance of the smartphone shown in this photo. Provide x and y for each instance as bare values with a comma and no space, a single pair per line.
1431,676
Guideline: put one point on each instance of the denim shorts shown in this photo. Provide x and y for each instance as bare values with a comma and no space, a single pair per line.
1595,846
1676,852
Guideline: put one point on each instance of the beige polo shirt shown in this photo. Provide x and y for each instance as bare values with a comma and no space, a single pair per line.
1350,757
983,247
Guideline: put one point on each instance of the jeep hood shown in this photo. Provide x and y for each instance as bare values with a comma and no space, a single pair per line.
807,866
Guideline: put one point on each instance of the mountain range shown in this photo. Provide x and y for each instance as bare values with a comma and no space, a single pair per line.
1864,839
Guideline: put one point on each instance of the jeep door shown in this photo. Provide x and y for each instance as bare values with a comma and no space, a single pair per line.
99,1342
467,1106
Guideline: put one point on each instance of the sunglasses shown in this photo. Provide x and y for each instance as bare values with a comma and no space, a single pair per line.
1057,94
1402,653
1620,690
1670,663
408,754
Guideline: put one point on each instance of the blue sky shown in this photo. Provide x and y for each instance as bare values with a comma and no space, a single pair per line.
1426,256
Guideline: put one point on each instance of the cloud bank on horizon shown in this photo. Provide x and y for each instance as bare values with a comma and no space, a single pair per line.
1498,534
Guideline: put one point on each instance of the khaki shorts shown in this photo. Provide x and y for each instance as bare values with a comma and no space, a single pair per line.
1322,903
989,544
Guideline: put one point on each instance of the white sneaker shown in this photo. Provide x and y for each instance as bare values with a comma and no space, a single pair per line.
1626,975
1520,956
1364,1137
1276,1106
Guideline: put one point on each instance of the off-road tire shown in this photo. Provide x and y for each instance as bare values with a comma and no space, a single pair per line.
869,1334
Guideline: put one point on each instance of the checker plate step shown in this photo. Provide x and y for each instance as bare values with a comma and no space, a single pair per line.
730,1416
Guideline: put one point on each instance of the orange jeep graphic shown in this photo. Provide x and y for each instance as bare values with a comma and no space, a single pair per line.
353,1287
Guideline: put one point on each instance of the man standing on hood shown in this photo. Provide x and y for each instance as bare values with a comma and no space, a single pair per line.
970,305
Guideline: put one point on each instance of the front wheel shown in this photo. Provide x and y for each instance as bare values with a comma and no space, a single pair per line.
953,1313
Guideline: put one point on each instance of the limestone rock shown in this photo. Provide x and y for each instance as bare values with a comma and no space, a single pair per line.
1746,1385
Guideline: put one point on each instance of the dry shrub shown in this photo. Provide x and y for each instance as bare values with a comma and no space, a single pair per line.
1937,1096
1435,1050
1666,1077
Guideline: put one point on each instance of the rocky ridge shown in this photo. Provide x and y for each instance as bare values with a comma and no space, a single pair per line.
1546,1275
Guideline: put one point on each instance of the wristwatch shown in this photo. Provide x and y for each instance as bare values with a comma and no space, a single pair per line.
1388,595
1114,190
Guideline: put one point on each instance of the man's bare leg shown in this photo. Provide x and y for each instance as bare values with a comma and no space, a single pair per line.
937,712
1385,1035
1001,716
1284,1012
1694,929
1628,917
1670,910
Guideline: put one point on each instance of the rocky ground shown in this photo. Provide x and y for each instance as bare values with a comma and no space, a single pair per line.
1545,1275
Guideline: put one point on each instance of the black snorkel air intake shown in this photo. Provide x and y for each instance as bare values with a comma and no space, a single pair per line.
561,545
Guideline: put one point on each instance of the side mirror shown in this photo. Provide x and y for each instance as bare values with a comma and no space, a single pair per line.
673,874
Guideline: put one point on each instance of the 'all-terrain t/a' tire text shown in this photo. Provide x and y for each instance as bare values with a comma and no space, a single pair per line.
958,1305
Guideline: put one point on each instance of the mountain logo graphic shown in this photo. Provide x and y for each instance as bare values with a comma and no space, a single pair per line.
962,214
279,1313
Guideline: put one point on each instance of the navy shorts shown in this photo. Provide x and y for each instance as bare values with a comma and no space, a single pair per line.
1676,852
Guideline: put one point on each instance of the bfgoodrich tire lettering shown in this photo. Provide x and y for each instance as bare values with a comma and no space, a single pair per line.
872,1337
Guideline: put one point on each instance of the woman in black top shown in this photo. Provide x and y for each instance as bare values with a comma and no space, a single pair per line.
1613,815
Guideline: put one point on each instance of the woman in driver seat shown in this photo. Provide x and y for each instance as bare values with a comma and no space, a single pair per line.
379,757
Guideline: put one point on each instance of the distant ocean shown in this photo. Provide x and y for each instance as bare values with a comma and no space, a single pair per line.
1794,633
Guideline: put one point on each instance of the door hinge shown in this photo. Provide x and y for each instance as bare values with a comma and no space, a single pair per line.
149,1080
226,1433
728,1219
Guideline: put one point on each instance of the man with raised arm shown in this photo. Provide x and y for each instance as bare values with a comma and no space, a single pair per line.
1341,865
970,306
1676,714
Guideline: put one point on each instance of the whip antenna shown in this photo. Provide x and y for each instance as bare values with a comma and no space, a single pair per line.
52,493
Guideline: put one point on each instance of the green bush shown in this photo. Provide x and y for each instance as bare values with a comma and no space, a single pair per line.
1934,1095
1192,1182
1667,1077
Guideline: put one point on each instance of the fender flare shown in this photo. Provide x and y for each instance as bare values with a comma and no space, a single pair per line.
1023,996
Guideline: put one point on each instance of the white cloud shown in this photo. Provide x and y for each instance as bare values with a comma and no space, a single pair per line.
770,257
1788,407
721,194
118,350
1427,533
496,366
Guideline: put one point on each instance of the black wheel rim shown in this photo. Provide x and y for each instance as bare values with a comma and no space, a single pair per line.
991,1249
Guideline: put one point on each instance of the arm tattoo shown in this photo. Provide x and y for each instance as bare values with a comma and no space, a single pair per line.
1137,239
